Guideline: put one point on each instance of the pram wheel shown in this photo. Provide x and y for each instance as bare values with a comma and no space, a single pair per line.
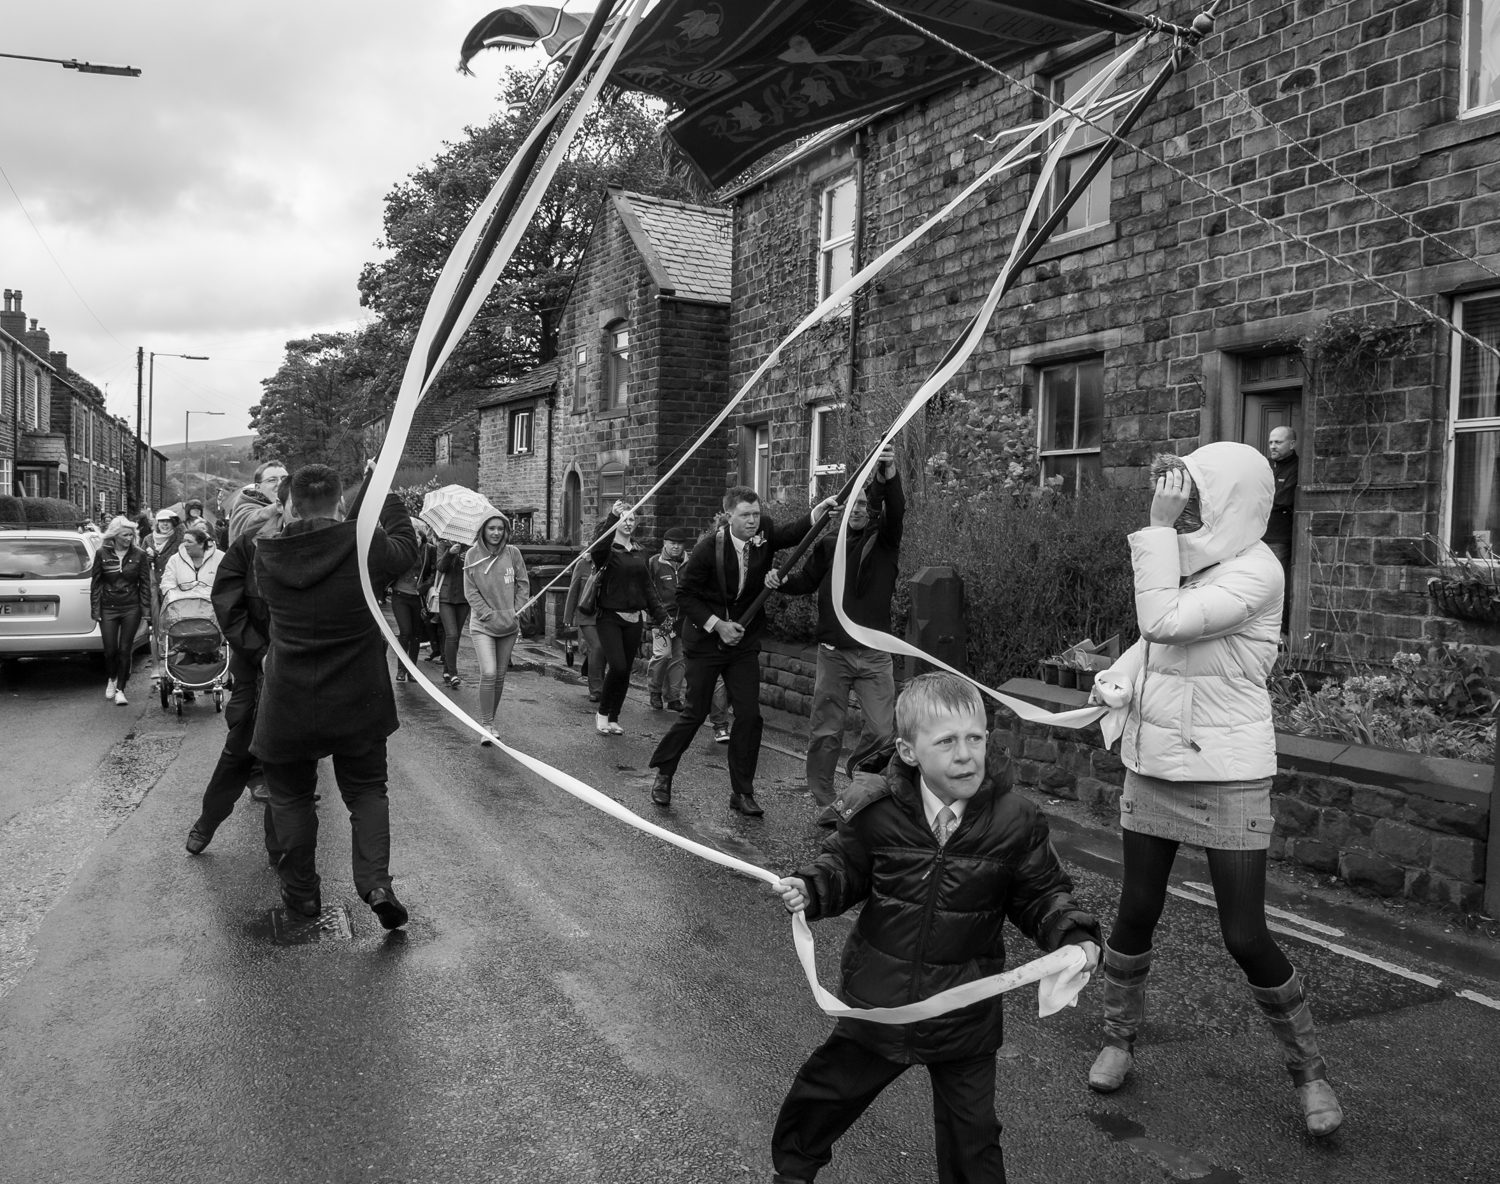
165,693
179,703
218,700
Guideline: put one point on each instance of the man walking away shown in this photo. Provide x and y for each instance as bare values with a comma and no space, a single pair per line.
873,557
665,672
327,688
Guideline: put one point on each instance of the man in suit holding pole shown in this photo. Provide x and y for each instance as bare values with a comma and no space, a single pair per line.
721,580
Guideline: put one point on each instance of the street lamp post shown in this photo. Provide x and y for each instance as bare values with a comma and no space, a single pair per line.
187,452
81,67
151,398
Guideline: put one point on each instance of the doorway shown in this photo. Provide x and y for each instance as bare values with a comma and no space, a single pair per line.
572,509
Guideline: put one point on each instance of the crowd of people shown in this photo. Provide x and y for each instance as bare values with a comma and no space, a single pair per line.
925,836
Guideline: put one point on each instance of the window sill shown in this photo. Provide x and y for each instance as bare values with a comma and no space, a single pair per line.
1458,131
613,413
1080,240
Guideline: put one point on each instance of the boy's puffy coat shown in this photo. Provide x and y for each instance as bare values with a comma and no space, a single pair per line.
933,917
1209,609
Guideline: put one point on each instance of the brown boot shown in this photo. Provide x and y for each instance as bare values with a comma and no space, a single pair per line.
1124,1012
1287,1012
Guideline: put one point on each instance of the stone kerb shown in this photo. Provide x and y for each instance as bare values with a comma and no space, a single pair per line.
1392,824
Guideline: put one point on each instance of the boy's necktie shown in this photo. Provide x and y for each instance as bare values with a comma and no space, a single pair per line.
943,825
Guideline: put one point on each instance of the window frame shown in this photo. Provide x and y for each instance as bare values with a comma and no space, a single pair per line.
615,395
821,412
760,459
33,402
1473,13
607,498
1471,426
7,476
1089,139
830,244
517,417
581,380
442,448
1066,455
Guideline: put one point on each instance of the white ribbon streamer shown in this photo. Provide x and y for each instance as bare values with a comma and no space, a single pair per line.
1060,974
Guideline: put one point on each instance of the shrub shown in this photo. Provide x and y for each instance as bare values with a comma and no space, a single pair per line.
11,510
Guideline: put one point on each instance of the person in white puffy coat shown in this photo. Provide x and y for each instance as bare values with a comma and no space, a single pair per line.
1190,706
192,568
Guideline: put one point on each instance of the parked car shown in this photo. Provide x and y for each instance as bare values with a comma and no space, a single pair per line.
44,593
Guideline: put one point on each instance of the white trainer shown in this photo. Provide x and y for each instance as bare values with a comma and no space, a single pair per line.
109,689
120,699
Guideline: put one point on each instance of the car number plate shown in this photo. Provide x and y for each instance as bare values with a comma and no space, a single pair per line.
28,608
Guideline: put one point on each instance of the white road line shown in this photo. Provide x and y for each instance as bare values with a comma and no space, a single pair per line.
1271,910
1476,997
1380,964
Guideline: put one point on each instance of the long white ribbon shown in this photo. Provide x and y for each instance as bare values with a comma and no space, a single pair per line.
1062,973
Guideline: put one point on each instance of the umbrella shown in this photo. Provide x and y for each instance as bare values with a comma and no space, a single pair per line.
456,513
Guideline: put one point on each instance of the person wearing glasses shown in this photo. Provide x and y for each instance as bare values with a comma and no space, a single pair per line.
255,497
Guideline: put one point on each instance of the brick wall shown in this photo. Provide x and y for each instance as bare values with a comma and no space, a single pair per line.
515,482
676,383
1176,292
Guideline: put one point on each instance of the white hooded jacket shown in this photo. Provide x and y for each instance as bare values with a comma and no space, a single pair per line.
1192,690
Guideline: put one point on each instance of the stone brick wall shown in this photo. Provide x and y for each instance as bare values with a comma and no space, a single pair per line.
1392,824
676,382
515,482
1179,292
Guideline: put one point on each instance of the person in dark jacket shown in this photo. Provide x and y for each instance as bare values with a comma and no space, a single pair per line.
326,687
587,624
627,597
242,617
953,855
407,593
665,672
873,557
120,596
453,605
721,579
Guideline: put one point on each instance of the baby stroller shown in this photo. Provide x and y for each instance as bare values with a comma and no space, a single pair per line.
192,654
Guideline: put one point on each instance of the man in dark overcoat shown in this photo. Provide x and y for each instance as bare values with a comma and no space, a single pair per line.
326,688
721,578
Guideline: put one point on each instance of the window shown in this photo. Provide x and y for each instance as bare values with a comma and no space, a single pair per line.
760,459
826,463
1481,75
442,448
521,524
611,486
33,403
617,386
580,380
1092,207
31,485
521,423
1070,420
836,235
6,476
1474,494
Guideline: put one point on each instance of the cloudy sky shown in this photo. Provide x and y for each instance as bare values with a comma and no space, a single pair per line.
223,202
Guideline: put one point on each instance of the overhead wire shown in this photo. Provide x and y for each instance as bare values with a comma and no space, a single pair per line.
1183,175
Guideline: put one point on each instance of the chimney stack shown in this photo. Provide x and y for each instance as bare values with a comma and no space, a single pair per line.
12,320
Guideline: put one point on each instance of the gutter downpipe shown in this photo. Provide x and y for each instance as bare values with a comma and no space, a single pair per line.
860,150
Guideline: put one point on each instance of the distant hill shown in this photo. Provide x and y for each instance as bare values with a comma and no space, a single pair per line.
230,444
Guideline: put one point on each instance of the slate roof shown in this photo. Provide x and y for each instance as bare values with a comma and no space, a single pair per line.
533,383
688,248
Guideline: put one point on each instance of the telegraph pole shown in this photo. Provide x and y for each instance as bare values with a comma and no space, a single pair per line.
141,459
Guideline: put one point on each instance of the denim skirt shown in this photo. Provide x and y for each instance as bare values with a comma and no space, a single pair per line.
1219,815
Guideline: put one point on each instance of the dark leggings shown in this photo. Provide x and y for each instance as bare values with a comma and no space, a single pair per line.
454,618
1239,880
118,629
407,608
620,641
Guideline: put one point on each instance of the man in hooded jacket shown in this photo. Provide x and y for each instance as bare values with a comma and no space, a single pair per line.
326,687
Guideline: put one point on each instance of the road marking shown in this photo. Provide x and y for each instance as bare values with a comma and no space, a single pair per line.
1379,963
1476,997
1272,911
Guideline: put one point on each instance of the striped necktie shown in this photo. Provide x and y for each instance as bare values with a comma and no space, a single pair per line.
943,825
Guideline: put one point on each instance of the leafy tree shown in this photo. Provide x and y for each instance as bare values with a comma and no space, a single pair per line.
317,403
617,145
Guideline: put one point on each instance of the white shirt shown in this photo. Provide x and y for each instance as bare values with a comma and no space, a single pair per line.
741,549
932,806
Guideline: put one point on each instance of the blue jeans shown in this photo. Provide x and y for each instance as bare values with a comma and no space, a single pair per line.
868,673
666,671
493,654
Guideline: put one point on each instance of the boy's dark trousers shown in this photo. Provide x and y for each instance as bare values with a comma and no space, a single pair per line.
236,765
842,1078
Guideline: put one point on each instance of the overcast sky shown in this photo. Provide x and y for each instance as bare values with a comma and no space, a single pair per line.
223,202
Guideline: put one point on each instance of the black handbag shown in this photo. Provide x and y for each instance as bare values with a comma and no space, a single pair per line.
588,598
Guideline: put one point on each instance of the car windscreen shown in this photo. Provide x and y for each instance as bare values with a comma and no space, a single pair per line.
43,559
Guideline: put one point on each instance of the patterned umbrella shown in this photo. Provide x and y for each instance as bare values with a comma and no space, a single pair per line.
456,513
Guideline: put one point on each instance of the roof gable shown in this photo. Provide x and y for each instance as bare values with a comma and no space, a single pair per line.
688,248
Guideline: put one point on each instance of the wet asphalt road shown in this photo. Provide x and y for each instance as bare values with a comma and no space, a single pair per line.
574,1001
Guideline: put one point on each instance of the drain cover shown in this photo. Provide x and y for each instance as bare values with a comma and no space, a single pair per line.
292,929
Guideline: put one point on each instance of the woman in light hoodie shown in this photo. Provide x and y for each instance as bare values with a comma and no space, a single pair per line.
1189,700
496,586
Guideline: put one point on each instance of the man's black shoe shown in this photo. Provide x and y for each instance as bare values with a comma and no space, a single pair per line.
746,804
675,705
309,907
197,840
828,817
655,701
392,912
661,790
273,858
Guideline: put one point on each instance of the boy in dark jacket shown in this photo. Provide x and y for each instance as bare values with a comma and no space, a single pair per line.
953,854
